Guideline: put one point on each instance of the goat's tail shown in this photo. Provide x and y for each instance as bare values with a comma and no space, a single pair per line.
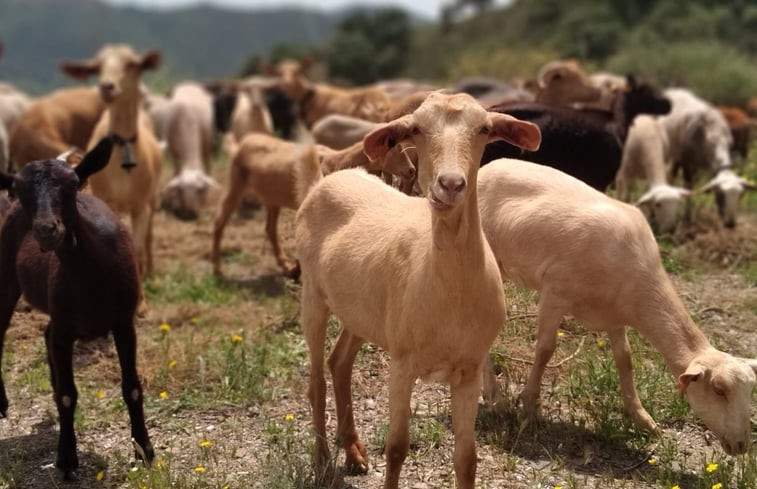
308,171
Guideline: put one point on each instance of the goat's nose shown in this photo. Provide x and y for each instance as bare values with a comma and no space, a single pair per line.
45,228
452,182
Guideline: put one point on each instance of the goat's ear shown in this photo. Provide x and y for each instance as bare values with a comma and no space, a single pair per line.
692,374
707,187
378,142
526,135
631,81
644,199
81,70
94,161
6,181
748,185
150,60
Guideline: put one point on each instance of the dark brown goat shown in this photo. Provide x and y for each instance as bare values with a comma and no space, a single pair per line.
584,143
73,259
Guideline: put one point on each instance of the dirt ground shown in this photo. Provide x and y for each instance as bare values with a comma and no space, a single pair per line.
559,453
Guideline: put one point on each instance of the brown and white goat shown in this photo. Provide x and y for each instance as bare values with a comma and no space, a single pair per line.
605,270
71,258
275,172
317,100
129,183
412,275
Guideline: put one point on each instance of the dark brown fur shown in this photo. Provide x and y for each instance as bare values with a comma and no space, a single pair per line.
73,259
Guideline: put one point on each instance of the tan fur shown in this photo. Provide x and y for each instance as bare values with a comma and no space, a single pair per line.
133,192
414,276
318,100
54,123
596,259
564,83
275,172
250,112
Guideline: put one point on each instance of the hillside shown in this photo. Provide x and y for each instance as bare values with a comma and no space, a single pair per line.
199,42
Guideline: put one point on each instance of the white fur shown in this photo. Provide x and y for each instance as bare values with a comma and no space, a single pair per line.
600,263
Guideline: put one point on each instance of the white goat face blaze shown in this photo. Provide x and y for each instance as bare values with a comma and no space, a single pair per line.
727,195
722,399
664,207
450,142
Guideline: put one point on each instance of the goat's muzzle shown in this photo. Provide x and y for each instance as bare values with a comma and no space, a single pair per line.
49,234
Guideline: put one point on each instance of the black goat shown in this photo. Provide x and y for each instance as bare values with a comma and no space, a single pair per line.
584,143
73,259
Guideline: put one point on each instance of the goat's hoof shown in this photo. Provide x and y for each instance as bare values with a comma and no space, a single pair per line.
646,424
3,408
293,272
356,460
68,464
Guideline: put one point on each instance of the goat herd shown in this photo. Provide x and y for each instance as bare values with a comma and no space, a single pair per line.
417,272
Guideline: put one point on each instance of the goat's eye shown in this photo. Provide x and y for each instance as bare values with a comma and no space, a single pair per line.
719,391
415,131
485,131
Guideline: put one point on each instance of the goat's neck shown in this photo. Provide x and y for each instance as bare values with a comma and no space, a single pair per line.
664,321
351,157
124,113
620,118
457,234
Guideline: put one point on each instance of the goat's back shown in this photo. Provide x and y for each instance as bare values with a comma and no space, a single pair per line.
548,229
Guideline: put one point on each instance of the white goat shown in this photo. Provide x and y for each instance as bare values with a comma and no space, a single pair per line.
699,140
644,157
600,263
412,275
188,129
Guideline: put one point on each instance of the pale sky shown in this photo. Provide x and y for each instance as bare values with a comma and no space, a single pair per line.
427,8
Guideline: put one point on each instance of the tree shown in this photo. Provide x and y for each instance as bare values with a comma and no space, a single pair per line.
369,46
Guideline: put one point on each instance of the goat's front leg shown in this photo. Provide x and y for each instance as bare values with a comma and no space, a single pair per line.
398,439
621,351
341,361
141,222
60,351
546,342
231,202
9,294
464,408
126,345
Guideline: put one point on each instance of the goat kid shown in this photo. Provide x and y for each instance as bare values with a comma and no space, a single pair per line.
58,247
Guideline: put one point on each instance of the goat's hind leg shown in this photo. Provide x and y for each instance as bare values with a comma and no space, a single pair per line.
341,361
231,202
60,351
271,229
621,352
126,345
314,316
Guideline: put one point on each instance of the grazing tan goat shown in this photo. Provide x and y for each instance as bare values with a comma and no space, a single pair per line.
317,100
275,172
129,182
596,259
412,275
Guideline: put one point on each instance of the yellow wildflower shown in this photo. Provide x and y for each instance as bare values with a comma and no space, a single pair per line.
717,486
160,464
235,338
601,342
164,395
100,475
193,320
676,487
205,443
172,364
200,469
100,394
166,328
558,487
712,467
652,460
289,417
560,333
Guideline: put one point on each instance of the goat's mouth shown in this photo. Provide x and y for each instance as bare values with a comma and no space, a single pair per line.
49,242
437,203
